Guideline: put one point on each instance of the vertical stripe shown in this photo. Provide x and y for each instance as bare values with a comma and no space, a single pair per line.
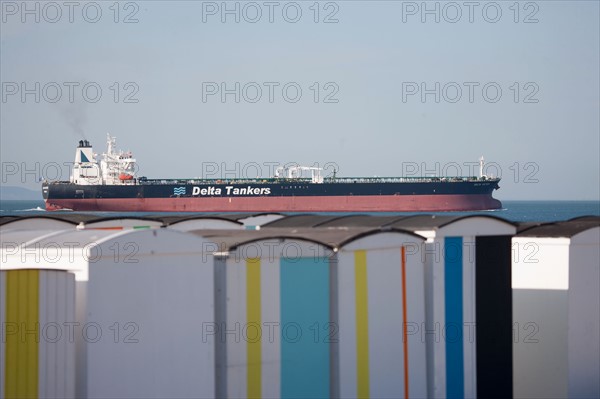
334,355
81,350
469,330
347,324
362,324
70,349
220,298
385,357
22,317
271,327
453,327
47,353
236,350
253,327
404,320
417,351
494,315
305,327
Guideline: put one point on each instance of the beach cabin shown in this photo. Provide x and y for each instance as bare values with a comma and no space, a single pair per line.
468,303
556,299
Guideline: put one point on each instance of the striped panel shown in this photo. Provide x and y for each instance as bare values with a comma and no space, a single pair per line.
362,324
304,319
220,312
346,321
236,347
252,331
236,352
435,318
37,352
381,292
495,318
22,344
453,326
469,319
414,322
57,349
271,327
387,355
253,327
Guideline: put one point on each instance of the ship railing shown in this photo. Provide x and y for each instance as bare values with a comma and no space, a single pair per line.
284,180
408,179
200,181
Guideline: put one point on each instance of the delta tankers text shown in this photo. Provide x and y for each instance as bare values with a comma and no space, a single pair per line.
230,190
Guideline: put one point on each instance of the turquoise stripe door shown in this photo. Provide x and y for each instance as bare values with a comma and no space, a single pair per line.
305,328
453,328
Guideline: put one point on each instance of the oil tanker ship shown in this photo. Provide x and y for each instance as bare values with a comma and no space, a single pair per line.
111,184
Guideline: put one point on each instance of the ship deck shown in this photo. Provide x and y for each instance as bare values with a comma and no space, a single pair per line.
377,180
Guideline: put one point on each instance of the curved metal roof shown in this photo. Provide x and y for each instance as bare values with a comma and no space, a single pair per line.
332,238
423,222
566,229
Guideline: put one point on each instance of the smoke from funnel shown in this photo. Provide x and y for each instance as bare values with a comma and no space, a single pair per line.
75,116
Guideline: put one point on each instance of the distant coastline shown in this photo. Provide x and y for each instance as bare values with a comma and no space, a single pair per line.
14,193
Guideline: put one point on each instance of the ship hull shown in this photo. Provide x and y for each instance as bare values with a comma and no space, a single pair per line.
384,203
334,197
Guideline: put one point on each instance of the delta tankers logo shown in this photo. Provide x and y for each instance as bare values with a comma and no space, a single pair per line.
230,190
211,191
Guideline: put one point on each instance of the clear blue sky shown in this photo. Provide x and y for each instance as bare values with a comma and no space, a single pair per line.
542,132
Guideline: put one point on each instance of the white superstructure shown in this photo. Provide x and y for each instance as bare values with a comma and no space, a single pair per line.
115,167
294,172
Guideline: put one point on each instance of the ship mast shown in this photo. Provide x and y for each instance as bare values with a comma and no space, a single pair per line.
481,167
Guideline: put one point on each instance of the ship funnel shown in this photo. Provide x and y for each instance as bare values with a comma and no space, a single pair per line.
85,168
84,153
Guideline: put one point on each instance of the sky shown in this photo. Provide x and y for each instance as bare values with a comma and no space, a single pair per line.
368,88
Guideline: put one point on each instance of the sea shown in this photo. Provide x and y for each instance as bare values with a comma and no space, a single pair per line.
514,211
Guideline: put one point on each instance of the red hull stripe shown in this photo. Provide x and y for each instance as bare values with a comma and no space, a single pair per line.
352,203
